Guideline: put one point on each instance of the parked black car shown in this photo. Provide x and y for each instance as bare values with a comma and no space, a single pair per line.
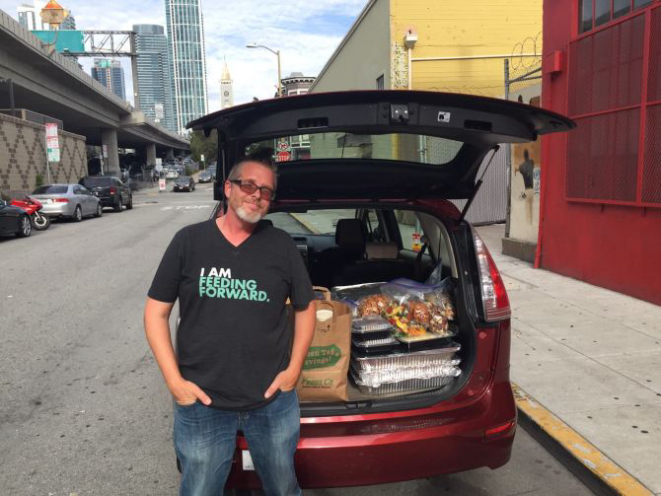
14,220
184,183
205,177
110,190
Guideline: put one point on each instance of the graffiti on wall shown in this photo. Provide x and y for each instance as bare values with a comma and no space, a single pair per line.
525,182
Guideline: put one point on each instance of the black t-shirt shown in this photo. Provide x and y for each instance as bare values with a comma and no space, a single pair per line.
233,338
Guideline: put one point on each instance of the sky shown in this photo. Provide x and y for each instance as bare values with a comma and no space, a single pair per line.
306,33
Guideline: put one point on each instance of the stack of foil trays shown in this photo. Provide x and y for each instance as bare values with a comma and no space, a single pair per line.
406,372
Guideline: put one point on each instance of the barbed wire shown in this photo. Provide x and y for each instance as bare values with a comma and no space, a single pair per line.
528,45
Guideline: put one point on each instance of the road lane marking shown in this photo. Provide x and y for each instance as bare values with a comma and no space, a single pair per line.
186,207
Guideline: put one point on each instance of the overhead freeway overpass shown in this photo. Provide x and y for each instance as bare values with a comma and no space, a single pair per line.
48,83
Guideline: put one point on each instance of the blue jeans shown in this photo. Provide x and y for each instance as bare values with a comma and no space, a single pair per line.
205,441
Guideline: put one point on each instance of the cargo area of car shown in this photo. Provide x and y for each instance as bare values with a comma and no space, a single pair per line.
361,247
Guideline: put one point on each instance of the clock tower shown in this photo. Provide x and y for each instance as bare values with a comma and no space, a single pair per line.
226,89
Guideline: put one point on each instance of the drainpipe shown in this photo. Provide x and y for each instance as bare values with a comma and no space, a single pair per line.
410,39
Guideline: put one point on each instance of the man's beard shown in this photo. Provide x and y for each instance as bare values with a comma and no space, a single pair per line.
245,216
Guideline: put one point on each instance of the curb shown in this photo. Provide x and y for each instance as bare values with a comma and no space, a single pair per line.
598,472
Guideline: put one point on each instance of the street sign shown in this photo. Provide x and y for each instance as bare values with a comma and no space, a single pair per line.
161,185
201,158
52,142
283,146
105,150
283,157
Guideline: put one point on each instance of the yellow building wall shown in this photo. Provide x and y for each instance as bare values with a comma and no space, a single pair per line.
462,28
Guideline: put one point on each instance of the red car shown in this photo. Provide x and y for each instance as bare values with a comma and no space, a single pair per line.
371,203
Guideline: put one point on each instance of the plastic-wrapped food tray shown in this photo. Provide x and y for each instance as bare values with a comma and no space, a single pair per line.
356,291
377,378
425,358
372,346
371,328
408,387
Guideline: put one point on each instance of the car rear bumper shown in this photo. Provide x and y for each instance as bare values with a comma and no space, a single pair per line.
58,209
108,201
399,448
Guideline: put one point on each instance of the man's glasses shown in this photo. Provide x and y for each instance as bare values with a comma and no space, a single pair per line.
249,188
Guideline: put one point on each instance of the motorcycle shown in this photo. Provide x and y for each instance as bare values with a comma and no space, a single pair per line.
39,221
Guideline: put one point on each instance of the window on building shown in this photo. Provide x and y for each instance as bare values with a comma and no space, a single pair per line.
602,12
621,7
637,4
595,13
380,82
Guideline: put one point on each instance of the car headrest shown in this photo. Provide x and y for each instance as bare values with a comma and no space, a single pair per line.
381,251
349,235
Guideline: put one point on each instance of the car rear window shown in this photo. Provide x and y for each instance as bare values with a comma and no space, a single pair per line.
95,182
396,146
50,190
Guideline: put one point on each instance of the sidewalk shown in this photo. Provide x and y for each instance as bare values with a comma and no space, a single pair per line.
590,356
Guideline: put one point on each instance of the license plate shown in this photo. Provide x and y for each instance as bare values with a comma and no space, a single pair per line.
246,460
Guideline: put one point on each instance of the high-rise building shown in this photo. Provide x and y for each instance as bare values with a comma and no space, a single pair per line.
69,22
154,76
187,58
28,16
110,73
226,88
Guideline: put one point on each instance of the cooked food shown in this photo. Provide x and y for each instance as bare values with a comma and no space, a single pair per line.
420,312
444,302
373,305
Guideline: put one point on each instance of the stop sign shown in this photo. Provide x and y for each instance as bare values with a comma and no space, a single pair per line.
283,157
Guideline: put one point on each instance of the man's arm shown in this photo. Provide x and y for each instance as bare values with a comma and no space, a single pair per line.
304,324
157,328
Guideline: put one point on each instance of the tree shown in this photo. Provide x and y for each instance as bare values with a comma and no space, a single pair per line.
200,145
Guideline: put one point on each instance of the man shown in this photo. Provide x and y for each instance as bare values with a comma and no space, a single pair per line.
235,366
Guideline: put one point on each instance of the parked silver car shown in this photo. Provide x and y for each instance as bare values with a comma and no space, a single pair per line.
72,201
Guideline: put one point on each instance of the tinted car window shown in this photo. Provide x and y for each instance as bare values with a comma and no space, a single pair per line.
395,146
95,182
50,190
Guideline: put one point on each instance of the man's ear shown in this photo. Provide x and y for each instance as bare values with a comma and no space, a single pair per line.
227,188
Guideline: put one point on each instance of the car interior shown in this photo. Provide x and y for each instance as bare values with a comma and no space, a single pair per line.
362,245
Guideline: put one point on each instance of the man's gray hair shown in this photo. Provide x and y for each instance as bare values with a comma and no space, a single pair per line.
261,158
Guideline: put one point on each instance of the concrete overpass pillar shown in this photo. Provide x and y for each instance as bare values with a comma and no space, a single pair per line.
170,154
151,154
109,140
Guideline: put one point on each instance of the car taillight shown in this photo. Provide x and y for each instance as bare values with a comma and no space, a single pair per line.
113,191
494,296
61,200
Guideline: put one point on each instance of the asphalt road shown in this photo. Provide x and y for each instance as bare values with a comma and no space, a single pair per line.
83,409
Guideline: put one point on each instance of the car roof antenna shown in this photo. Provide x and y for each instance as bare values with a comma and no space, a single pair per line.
478,184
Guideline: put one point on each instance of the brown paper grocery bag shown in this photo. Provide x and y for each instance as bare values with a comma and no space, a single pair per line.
324,374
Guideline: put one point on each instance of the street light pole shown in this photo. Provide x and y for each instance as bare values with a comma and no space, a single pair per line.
277,54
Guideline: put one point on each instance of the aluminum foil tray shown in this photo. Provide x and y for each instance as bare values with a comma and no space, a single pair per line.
426,358
409,387
377,378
